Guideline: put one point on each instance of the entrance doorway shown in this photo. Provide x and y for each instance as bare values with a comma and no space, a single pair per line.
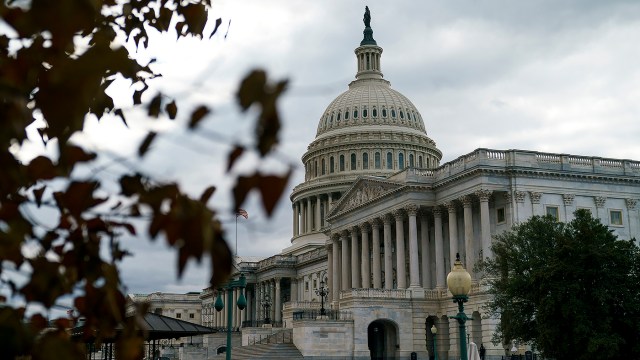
382,338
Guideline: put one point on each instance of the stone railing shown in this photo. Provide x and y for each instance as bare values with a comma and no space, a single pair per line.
320,253
376,293
527,159
301,305
277,260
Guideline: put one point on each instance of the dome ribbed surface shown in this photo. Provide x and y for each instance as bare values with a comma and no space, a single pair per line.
370,102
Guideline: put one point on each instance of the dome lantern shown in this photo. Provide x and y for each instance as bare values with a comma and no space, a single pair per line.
368,53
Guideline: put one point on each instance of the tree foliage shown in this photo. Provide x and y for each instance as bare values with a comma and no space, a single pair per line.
56,61
569,289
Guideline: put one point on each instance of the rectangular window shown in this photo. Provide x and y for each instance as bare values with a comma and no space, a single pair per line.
306,286
192,316
615,217
553,211
178,316
500,215
315,283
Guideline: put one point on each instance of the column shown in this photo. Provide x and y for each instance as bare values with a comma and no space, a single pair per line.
335,288
439,245
272,300
453,232
278,304
346,280
303,217
294,289
632,215
377,271
248,313
569,209
468,234
330,272
485,224
309,215
425,253
414,266
355,261
366,264
318,203
536,207
295,219
600,214
400,253
388,260
329,202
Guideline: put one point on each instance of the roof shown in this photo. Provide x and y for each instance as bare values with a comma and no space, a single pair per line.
160,327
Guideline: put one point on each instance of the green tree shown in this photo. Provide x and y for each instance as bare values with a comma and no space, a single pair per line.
569,289
57,58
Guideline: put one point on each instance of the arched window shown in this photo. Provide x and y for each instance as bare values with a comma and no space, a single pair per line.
355,113
338,119
428,162
420,161
365,161
331,165
346,114
323,167
332,117
401,160
410,160
401,114
389,160
353,161
384,112
315,168
408,115
341,162
374,112
377,160
364,112
393,113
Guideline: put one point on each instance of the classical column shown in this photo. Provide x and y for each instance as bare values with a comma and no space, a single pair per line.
294,289
335,290
355,261
346,279
425,254
453,232
278,302
400,253
388,260
414,263
272,299
485,225
600,202
303,217
294,210
569,209
309,215
330,271
437,225
536,208
318,203
632,216
247,311
377,270
329,202
468,234
366,264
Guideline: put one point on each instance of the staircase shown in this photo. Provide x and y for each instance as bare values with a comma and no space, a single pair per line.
266,351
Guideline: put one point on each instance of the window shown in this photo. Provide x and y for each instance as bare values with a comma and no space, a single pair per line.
408,115
553,211
355,113
315,168
341,162
353,161
365,161
323,167
331,167
364,112
410,160
401,160
315,283
393,113
158,311
420,161
178,316
338,119
192,316
306,286
377,160
389,160
401,114
384,112
615,217
374,112
500,215
346,114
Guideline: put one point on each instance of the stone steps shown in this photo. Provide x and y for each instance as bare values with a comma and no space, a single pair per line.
266,351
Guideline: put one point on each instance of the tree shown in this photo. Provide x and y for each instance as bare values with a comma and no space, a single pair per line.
57,58
569,289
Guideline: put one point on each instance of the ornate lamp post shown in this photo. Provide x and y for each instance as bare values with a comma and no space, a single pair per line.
322,291
266,303
241,283
459,284
434,330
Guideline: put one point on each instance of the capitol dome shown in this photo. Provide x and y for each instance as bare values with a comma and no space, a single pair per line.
368,130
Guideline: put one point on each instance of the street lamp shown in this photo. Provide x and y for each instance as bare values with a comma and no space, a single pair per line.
459,284
265,305
322,291
434,330
241,283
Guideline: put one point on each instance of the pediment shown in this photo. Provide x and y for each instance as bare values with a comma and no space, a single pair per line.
364,191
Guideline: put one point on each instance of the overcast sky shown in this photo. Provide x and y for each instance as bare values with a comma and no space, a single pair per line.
553,76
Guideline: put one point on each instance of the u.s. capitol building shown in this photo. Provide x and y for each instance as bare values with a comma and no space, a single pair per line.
378,221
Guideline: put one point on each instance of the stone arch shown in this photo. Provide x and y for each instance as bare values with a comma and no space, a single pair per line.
382,339
476,328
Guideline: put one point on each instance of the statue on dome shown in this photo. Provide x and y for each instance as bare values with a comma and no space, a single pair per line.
367,17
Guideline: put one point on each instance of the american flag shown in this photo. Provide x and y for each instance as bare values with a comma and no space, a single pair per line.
243,213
